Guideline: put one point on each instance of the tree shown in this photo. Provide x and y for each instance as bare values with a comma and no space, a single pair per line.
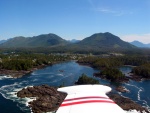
112,74
84,79
143,71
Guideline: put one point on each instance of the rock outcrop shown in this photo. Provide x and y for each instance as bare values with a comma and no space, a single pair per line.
126,103
122,89
47,98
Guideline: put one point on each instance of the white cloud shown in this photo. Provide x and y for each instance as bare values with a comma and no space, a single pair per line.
108,10
104,10
113,12
144,38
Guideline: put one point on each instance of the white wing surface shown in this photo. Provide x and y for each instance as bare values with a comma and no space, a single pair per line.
88,99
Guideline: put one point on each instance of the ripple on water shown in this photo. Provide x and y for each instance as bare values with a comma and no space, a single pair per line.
139,91
52,76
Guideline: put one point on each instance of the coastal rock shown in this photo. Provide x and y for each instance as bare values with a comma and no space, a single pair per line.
14,73
47,98
135,77
126,103
20,73
122,89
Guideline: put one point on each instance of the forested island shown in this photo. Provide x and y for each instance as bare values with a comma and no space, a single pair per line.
110,67
16,65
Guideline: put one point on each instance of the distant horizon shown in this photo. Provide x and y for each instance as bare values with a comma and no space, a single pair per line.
129,19
73,38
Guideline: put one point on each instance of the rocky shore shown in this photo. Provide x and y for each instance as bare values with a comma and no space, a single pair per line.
126,103
13,73
49,99
20,73
122,89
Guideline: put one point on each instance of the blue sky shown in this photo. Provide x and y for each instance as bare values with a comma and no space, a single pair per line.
75,19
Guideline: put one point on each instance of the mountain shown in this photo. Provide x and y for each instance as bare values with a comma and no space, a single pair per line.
104,40
44,40
140,44
2,41
98,42
74,41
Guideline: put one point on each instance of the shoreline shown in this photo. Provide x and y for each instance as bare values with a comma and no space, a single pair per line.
21,73
130,76
42,66
47,97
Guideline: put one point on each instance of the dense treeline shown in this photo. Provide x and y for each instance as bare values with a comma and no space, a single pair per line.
101,62
143,70
76,49
112,74
109,65
15,64
84,79
28,61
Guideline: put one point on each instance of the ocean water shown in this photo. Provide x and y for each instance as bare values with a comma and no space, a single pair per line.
54,76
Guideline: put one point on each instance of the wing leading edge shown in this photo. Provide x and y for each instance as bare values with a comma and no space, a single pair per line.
88,99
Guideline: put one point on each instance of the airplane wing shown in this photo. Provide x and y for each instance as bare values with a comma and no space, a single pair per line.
88,99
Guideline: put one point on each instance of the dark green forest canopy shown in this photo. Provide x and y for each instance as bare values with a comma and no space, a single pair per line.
105,62
84,79
28,61
112,74
143,70
109,65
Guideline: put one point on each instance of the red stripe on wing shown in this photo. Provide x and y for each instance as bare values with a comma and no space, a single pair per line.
87,101
85,98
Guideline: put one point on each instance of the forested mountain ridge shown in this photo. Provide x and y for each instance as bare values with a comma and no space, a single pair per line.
105,40
44,40
95,43
2,41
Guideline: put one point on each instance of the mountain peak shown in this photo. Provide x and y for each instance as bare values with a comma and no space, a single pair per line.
105,40
140,44
43,40
97,41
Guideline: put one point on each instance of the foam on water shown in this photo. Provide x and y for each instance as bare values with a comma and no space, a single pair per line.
53,77
60,74
57,80
5,77
29,100
140,89
34,73
10,92
134,111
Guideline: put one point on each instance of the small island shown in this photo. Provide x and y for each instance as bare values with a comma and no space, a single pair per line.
84,79
108,67
112,74
47,97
